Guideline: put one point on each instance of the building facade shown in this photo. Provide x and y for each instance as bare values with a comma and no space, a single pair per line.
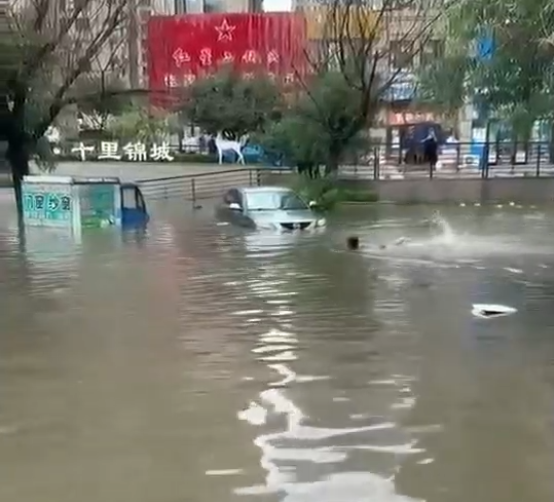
403,40
182,49
138,32
217,6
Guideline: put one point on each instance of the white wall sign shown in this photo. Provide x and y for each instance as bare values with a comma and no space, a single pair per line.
132,151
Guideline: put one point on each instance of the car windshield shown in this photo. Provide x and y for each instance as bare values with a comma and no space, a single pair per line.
274,201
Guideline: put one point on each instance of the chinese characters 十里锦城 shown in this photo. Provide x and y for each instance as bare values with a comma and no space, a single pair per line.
133,152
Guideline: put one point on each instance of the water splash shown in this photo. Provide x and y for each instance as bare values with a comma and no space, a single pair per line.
447,236
445,245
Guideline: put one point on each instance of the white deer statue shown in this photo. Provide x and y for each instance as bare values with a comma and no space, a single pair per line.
223,145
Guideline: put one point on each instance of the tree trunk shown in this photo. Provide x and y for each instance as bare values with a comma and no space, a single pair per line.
332,165
18,157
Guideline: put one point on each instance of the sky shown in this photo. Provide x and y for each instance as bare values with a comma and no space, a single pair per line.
277,5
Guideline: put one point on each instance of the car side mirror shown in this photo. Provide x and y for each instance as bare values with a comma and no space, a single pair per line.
233,206
312,203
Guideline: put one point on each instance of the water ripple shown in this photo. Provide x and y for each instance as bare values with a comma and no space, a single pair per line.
280,365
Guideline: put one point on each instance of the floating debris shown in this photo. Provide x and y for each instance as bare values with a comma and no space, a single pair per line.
487,310
353,242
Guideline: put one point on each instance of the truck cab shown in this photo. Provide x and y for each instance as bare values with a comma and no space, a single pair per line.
133,207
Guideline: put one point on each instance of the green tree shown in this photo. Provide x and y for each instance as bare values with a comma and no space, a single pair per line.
102,93
442,84
359,54
515,82
321,127
232,104
53,52
144,125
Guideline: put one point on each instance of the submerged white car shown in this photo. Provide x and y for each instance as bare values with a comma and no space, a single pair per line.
275,208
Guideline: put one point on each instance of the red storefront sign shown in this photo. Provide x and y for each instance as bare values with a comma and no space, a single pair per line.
183,48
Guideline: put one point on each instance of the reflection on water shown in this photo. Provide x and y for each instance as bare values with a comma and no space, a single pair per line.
199,362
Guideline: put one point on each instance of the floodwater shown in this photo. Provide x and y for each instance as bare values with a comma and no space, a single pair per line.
199,362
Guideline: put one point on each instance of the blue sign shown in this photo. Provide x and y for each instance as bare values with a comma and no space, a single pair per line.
47,206
485,47
402,87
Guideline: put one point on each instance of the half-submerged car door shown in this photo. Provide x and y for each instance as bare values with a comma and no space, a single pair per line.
239,213
233,206
225,207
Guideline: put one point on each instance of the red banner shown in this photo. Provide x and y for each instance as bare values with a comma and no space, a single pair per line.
182,48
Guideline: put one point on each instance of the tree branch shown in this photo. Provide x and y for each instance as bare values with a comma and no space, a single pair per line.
110,24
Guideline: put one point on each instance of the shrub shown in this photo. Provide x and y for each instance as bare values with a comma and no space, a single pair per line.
327,193
368,196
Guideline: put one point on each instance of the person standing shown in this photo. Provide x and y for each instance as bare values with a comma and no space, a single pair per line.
430,149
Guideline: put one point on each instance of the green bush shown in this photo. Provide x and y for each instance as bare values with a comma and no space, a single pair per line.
367,196
327,193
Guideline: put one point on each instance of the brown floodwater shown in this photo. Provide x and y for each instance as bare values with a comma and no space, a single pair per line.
198,362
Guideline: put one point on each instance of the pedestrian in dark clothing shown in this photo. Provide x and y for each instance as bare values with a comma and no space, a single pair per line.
430,149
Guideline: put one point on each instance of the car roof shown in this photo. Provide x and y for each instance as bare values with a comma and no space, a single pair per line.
265,189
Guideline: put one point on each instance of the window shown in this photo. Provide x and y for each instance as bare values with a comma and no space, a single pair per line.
87,66
129,198
115,64
80,4
82,24
431,50
255,6
140,199
213,6
274,201
401,54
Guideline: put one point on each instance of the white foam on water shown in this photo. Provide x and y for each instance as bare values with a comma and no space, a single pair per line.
513,270
400,449
426,461
223,472
255,414
353,486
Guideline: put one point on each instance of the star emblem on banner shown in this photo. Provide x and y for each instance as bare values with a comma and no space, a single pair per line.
225,31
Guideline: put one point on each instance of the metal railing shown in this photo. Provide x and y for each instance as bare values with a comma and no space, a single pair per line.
535,162
196,187
457,160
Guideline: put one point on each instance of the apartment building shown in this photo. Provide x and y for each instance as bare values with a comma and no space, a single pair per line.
404,42
212,6
136,33
138,29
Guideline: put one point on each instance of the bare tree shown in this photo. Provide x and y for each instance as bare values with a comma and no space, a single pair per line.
101,93
55,45
358,54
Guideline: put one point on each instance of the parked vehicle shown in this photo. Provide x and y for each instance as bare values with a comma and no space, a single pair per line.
275,208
